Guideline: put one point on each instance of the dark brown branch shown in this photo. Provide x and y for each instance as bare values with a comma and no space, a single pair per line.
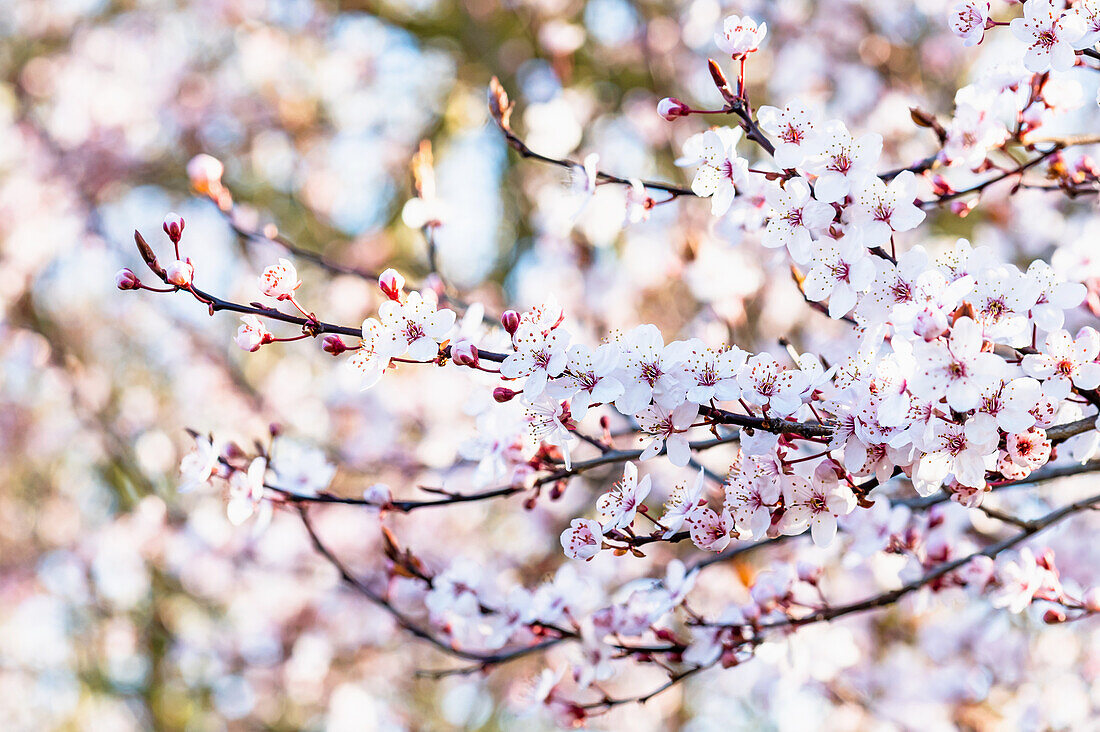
1028,529
978,188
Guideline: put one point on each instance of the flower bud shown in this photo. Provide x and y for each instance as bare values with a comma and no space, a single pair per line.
962,208
941,186
465,353
808,572
670,108
504,394
173,227
180,273
333,344
205,173
1046,559
127,280
391,282
1054,615
378,495
252,333
510,320
1091,600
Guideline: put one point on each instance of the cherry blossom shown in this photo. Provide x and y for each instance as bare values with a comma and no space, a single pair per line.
816,504
1055,296
549,421
372,357
711,531
968,19
946,372
765,383
956,368
280,281
1087,14
840,269
616,509
1050,34
795,218
845,163
721,171
647,370
588,378
252,333
539,355
173,226
972,132
794,130
1066,362
682,502
1011,402
751,500
246,489
671,108
299,468
881,208
391,283
198,465
414,327
583,539
1030,449
668,431
961,450
1018,582
707,374
740,36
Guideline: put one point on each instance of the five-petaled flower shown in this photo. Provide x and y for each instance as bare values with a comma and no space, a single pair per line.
1050,33
415,327
1065,362
583,539
280,280
740,36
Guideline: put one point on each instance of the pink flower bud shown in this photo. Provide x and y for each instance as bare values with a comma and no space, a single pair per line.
205,173
127,280
1054,615
670,108
510,320
180,273
962,208
333,344
173,227
503,394
941,186
391,282
465,353
378,495
808,572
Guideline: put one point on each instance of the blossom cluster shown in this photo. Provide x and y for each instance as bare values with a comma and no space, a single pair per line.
959,370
